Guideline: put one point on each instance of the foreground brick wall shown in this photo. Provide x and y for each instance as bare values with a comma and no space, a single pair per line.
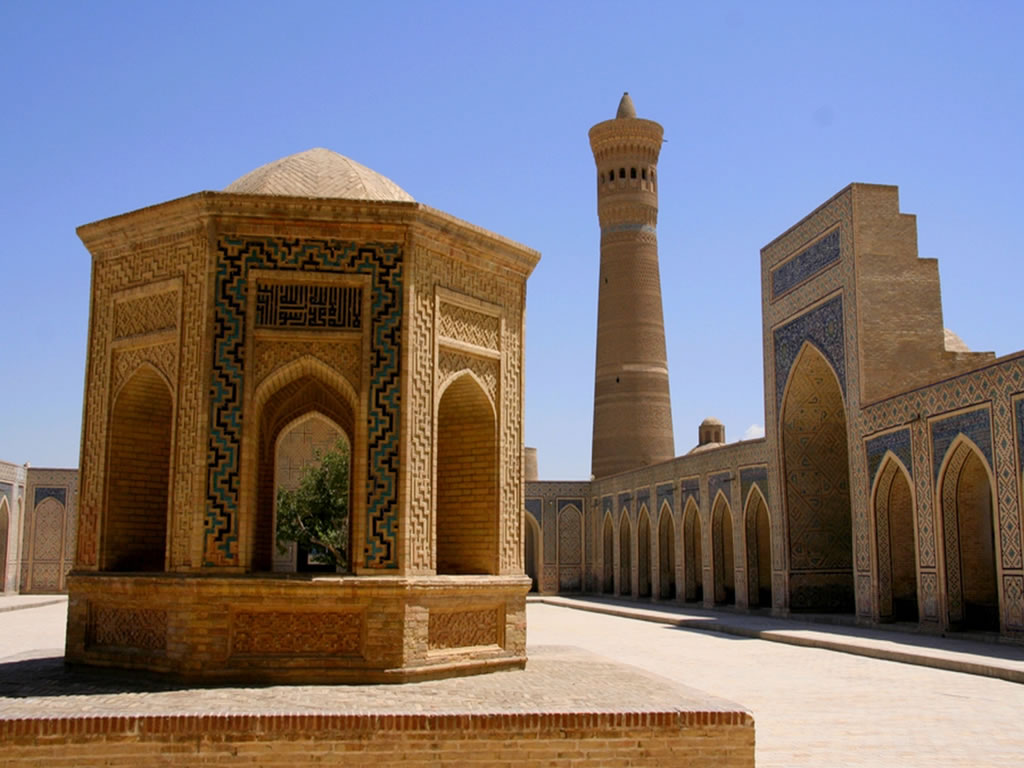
721,739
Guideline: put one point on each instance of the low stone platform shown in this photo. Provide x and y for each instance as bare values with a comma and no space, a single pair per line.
566,708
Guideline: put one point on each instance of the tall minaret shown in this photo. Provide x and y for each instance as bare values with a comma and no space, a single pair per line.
632,410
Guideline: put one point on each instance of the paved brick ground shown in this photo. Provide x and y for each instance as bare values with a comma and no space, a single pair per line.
815,707
812,707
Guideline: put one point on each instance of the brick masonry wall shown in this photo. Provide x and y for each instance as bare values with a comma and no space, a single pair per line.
721,739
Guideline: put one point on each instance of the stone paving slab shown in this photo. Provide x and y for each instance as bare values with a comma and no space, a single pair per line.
556,679
1001,661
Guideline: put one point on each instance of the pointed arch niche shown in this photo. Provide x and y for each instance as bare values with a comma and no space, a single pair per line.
666,555
643,553
305,389
893,507
625,556
759,550
466,516
968,535
5,527
693,556
531,550
138,474
817,487
608,552
723,552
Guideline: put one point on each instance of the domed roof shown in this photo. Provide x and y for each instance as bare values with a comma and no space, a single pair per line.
319,173
711,421
954,343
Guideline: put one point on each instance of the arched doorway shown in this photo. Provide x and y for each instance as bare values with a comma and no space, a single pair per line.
625,556
138,473
467,480
298,445
894,540
531,550
972,593
693,556
723,556
817,487
311,409
5,524
643,554
759,551
666,555
570,549
608,551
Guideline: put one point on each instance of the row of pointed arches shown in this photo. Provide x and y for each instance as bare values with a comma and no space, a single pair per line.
691,557
305,407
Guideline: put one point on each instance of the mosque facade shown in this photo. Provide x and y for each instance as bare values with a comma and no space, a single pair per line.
888,485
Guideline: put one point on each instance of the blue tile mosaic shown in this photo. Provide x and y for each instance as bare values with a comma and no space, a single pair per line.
607,505
624,499
1018,412
975,425
898,443
822,327
666,493
60,494
563,503
534,507
805,264
689,489
753,476
719,482
643,497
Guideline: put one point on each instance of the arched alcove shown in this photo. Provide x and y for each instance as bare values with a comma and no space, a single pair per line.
759,551
972,592
723,555
894,542
625,556
608,551
138,474
5,525
643,553
298,445
666,555
531,550
693,557
467,480
570,549
303,402
817,487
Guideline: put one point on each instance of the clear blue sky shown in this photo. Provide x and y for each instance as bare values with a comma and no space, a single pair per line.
482,110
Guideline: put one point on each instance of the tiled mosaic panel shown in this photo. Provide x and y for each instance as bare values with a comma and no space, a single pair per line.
951,534
643,498
805,264
304,306
7,491
898,442
1013,598
1018,411
975,425
666,495
720,482
60,494
816,469
570,528
624,499
751,476
823,327
236,257
689,489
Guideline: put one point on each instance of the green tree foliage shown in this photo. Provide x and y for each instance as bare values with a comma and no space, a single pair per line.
315,515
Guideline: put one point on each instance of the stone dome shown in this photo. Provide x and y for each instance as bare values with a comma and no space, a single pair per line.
711,421
319,173
954,343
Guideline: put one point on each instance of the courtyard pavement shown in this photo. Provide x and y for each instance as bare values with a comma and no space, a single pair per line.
812,706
